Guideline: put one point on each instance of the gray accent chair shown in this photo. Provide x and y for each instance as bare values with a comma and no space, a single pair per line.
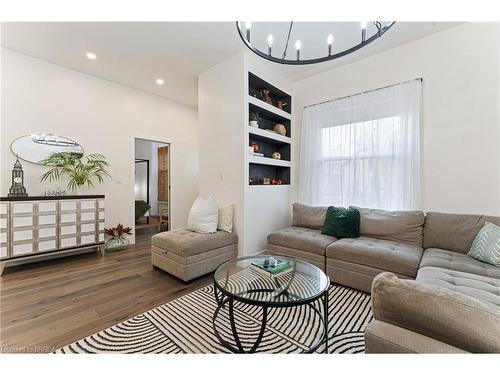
186,254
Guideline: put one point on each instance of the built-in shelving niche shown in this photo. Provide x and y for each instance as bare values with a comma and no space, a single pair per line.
268,141
267,119
256,84
258,171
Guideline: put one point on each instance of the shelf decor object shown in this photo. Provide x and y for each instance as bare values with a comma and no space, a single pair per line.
17,188
254,119
43,227
265,47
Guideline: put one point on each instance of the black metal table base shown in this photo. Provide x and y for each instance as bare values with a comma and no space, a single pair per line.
227,300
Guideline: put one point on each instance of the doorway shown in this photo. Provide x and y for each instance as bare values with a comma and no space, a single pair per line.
152,185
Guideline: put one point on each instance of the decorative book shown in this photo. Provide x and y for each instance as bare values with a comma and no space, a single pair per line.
272,267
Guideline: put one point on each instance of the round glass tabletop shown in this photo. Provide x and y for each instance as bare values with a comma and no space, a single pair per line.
299,283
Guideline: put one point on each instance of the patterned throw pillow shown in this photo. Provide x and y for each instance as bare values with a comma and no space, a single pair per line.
341,222
226,218
486,245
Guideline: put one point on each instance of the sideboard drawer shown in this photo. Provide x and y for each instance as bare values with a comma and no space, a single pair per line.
47,219
3,251
87,204
49,245
22,207
22,249
68,230
88,239
67,242
23,221
47,232
47,206
67,206
22,235
67,218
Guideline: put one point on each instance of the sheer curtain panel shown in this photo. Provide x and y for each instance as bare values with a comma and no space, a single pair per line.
363,150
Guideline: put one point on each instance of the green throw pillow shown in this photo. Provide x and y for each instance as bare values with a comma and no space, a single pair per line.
486,245
341,222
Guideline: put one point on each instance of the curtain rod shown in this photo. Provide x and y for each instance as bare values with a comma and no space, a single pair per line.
364,92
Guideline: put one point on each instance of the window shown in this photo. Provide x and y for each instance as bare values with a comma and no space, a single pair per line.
363,150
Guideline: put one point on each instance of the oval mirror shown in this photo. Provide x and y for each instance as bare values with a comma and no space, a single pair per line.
36,147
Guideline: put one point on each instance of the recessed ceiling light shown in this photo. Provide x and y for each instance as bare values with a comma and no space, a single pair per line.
159,81
91,56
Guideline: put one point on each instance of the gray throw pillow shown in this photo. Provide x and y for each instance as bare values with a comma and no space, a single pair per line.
308,216
399,226
486,245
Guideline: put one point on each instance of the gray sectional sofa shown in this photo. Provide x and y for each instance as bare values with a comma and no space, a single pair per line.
430,249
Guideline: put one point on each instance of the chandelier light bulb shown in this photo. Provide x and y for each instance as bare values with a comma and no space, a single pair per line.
329,40
363,30
248,26
298,45
270,40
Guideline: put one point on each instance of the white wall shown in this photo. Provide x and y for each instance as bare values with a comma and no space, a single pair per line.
222,141
40,97
461,117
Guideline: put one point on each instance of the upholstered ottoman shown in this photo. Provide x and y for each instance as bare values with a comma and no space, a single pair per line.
187,254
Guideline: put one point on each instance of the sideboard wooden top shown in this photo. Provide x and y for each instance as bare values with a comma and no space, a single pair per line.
49,198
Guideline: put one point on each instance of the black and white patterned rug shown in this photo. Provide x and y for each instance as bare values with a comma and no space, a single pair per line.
185,326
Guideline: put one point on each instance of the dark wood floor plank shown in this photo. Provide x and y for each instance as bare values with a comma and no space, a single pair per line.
50,304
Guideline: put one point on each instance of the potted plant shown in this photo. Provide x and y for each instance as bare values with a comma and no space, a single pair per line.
80,173
254,119
119,240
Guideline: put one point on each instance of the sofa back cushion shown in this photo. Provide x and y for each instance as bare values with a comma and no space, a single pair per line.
399,226
308,216
454,232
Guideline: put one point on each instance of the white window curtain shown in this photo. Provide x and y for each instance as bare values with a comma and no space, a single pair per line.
363,150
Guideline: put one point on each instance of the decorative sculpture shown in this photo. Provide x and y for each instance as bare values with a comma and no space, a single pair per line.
280,129
264,95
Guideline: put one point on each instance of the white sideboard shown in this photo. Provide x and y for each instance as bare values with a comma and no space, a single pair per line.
38,228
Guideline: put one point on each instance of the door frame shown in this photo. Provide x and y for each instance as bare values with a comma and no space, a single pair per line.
169,144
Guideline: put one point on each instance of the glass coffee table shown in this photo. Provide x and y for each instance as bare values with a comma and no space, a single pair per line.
236,283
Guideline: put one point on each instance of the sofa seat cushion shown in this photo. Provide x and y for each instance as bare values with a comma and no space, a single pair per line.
451,260
304,239
482,288
187,243
382,254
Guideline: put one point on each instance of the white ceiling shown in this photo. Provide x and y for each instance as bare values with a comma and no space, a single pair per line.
134,54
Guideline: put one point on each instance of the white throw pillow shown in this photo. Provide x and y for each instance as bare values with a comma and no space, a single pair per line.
203,216
226,218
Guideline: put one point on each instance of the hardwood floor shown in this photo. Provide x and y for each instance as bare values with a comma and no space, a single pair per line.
50,304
